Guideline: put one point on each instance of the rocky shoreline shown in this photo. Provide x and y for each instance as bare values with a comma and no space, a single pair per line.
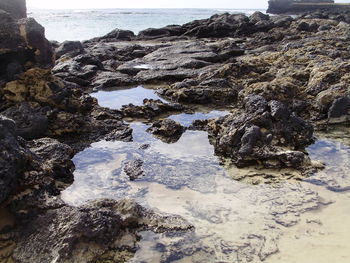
282,78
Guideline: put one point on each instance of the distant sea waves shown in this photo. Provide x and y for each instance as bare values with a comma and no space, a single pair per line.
63,25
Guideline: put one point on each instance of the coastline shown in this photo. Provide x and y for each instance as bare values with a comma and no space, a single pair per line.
228,186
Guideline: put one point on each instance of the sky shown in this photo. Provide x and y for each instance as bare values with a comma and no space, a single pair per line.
81,4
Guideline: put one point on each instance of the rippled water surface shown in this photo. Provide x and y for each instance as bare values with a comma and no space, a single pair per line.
293,219
85,24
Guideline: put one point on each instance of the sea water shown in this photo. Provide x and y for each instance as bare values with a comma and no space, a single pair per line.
61,25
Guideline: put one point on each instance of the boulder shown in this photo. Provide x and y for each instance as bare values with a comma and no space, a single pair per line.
133,169
212,91
265,133
94,232
12,158
22,46
340,109
167,130
34,35
70,48
30,119
115,35
150,109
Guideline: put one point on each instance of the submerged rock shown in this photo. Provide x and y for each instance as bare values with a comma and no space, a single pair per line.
133,169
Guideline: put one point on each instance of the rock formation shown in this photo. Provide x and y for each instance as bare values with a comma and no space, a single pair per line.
16,8
302,6
279,76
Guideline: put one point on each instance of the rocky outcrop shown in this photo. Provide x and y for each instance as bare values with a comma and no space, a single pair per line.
266,133
167,130
279,77
211,91
101,230
150,109
22,46
303,6
16,8
12,158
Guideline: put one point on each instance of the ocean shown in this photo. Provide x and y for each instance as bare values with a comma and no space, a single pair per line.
61,25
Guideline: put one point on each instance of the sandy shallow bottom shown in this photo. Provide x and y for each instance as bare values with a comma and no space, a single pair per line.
321,237
239,215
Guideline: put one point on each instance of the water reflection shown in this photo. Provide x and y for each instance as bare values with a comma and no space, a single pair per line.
117,98
240,215
99,169
186,119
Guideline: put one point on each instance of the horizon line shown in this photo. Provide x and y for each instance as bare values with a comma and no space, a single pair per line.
102,8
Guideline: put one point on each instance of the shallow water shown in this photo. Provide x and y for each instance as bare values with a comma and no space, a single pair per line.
117,98
185,119
279,219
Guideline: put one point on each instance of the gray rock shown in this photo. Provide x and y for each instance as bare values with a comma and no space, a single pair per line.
16,8
271,136
133,169
70,48
34,34
12,158
167,130
89,232
340,107
31,121
115,35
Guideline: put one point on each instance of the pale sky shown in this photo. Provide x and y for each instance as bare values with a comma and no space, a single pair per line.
80,4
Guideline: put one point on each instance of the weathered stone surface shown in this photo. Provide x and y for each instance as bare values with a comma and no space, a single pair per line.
70,48
293,7
266,133
34,36
212,91
31,120
12,158
22,46
115,35
150,109
167,130
133,169
16,8
88,232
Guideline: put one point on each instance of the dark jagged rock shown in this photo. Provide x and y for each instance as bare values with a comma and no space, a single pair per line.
293,6
31,120
212,91
12,158
22,45
265,133
150,109
340,108
16,8
167,130
115,35
168,31
89,232
34,35
70,48
133,169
